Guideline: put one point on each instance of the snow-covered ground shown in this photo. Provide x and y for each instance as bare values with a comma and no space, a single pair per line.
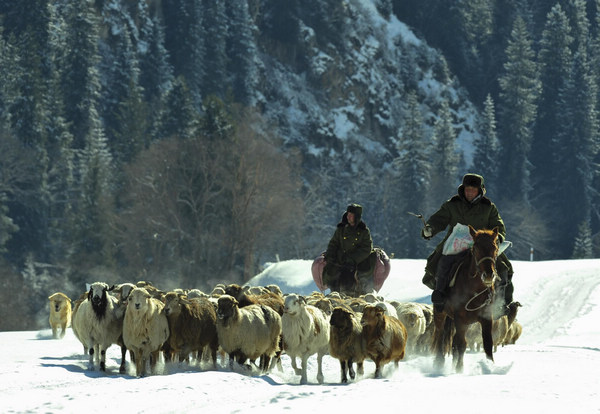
554,367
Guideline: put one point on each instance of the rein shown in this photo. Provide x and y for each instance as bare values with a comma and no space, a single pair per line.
485,302
487,289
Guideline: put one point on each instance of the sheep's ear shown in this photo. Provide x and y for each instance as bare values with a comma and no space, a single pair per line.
302,299
113,287
183,299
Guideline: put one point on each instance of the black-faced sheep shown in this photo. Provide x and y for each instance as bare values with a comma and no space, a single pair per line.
192,326
145,328
60,314
346,342
305,331
385,337
248,333
98,323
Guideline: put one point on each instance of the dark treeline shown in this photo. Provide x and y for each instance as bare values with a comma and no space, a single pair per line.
189,142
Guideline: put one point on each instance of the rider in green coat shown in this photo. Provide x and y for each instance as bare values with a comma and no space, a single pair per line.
469,206
350,256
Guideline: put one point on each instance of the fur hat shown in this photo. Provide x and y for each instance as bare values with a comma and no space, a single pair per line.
355,209
472,180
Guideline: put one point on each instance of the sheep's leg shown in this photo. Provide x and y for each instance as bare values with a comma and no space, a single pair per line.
343,369
153,360
90,352
320,368
297,370
140,363
377,368
102,358
351,368
360,368
213,355
303,375
63,331
265,363
123,357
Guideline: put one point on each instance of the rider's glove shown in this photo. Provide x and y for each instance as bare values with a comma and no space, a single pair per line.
427,232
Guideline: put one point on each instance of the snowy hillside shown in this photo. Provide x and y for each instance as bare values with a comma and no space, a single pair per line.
552,368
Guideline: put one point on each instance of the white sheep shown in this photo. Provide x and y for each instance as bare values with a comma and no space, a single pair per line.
249,332
413,318
305,331
97,323
145,328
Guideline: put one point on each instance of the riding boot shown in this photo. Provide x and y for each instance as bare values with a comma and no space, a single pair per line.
442,277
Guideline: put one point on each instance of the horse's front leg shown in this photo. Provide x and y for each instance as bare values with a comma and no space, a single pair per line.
438,346
459,344
486,335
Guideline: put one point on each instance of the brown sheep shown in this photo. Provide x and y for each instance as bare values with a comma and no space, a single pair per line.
192,326
60,314
499,330
346,342
270,299
514,332
385,337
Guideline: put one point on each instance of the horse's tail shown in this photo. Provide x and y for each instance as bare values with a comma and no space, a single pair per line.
447,336
442,339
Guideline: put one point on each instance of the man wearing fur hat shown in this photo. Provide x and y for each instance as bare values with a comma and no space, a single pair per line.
469,206
350,256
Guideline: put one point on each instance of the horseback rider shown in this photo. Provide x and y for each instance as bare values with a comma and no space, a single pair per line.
469,206
350,256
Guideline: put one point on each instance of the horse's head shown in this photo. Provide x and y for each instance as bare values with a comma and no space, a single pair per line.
485,252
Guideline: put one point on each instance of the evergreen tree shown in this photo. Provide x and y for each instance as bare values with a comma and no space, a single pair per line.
179,116
185,41
555,64
80,80
578,146
445,153
215,29
7,226
120,77
412,171
156,73
95,203
486,156
583,242
243,64
520,89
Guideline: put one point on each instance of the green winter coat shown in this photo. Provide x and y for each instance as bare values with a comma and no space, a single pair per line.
350,247
481,214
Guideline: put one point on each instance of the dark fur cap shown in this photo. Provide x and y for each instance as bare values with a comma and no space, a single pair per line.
355,209
472,180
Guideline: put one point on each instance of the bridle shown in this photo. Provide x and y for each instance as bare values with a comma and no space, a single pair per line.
487,289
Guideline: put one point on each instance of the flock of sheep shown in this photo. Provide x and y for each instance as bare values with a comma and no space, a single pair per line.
252,326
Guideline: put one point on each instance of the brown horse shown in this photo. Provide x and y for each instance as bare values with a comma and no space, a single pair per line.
469,299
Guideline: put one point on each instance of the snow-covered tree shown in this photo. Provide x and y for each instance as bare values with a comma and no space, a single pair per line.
486,159
520,88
